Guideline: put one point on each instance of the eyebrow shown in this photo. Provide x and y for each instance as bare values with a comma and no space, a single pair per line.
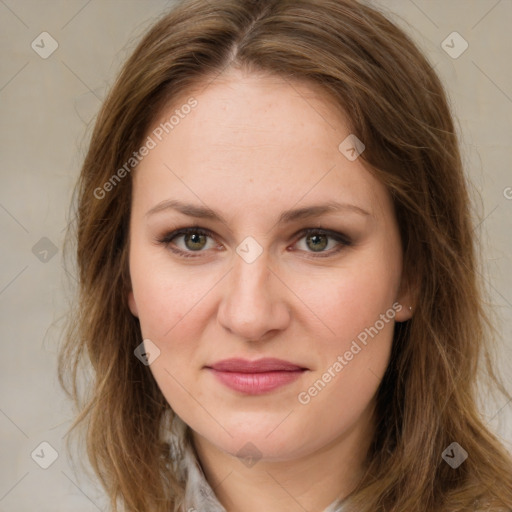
203,212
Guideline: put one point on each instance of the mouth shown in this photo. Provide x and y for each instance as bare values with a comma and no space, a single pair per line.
256,377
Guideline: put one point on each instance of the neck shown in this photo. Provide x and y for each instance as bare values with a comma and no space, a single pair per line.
311,482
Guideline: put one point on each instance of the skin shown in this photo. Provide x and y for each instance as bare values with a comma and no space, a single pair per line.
255,146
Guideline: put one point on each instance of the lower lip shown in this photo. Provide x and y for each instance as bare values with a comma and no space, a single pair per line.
256,383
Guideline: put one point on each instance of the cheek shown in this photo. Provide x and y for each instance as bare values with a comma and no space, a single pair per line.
353,361
171,314
167,299
173,307
356,309
350,299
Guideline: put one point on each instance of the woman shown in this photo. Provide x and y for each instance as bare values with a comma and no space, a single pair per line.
278,283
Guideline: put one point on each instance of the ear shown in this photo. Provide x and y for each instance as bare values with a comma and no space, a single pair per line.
407,298
132,304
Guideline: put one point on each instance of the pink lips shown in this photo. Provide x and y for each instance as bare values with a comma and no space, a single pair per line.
255,377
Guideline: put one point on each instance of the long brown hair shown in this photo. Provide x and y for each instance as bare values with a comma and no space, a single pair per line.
398,107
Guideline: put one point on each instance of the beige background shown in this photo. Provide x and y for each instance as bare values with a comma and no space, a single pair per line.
46,109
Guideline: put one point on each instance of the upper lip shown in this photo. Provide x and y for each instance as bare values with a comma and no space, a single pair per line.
267,364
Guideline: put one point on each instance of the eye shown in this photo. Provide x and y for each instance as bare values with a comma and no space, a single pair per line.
193,239
317,240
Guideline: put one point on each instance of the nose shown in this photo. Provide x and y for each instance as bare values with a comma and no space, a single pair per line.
254,301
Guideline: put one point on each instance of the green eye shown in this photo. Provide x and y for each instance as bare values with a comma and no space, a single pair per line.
318,242
195,241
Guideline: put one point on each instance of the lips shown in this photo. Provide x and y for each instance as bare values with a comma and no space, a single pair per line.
255,377
260,366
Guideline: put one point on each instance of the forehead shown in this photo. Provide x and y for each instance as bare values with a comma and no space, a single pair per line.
256,107
251,133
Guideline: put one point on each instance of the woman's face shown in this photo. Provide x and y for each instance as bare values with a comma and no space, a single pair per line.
254,163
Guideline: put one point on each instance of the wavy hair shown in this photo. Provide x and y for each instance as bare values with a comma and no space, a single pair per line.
397,106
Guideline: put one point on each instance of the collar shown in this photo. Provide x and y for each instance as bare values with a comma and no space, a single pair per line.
199,496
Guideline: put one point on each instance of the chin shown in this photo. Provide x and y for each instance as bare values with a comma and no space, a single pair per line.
248,442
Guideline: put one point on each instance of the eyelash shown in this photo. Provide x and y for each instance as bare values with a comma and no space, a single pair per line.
343,240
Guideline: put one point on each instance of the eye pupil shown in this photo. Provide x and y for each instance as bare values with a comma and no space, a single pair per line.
197,240
320,242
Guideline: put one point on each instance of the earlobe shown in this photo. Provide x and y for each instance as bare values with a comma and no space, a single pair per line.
407,297
132,304
404,311
407,301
